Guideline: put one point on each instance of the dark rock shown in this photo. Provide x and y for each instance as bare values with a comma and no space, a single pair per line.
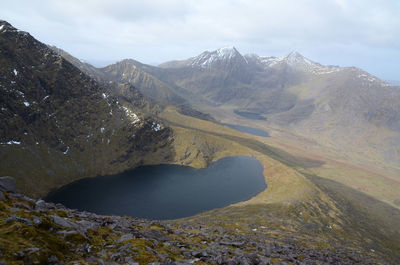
67,233
233,244
183,262
253,259
19,219
152,251
22,205
2,196
52,259
157,235
267,251
129,260
200,254
265,261
63,222
91,259
125,237
41,205
30,250
232,262
7,184
37,220
86,225
100,262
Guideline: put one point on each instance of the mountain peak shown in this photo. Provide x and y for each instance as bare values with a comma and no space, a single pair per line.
295,57
227,50
4,25
222,56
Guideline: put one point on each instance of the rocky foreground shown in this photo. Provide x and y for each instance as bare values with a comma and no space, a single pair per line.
36,232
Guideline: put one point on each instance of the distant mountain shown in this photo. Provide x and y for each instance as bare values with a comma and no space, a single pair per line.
344,108
57,124
132,72
127,71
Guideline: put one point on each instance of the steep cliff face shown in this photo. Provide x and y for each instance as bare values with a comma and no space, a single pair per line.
58,124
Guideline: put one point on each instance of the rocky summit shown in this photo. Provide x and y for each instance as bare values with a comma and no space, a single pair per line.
36,232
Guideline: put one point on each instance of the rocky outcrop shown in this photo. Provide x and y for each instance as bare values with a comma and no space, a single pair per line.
7,184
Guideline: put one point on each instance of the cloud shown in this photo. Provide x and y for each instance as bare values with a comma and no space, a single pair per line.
157,30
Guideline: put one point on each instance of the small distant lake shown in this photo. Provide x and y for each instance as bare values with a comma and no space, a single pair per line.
246,129
166,191
250,115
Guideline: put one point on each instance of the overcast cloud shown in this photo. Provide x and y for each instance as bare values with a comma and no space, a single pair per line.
362,33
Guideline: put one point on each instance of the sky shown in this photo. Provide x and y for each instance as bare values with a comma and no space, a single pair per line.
361,33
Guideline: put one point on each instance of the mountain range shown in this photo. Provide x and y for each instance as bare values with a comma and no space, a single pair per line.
331,197
343,109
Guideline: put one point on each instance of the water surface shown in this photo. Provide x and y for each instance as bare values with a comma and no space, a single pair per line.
250,115
246,129
166,191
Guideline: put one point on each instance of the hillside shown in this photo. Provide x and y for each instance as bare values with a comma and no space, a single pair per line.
57,124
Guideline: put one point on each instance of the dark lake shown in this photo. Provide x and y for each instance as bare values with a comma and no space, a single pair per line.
250,115
246,129
166,191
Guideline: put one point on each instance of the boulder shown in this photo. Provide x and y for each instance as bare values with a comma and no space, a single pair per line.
13,217
7,184
63,222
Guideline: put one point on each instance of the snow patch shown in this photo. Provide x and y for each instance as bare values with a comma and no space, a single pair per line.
11,142
26,103
66,151
104,95
46,97
156,127
15,72
1,27
130,114
102,129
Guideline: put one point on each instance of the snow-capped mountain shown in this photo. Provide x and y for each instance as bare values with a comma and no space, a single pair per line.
223,56
294,60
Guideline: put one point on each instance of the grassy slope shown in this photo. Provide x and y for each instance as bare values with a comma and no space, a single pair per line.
327,212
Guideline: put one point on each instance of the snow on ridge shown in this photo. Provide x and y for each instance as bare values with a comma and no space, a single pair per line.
207,59
130,114
370,79
296,60
66,151
11,142
1,27
156,127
